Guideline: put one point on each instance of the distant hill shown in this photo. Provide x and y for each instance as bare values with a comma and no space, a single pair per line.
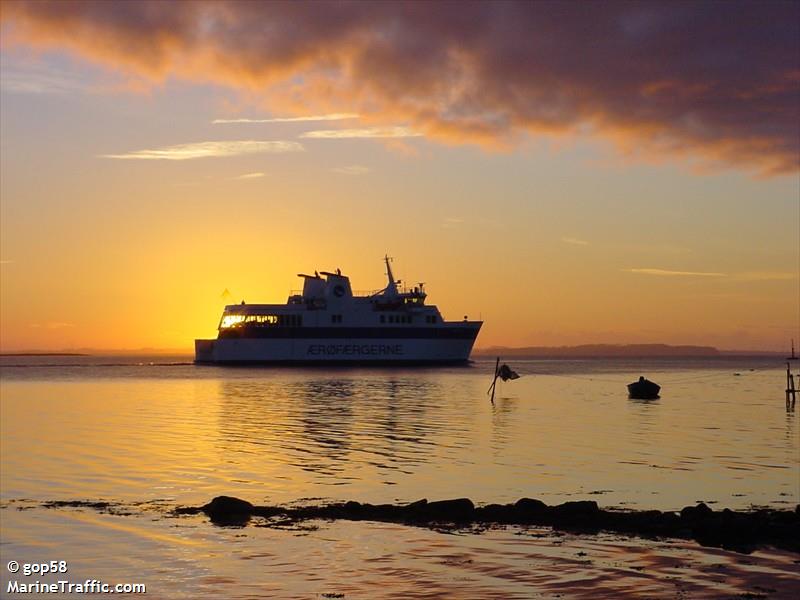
602,350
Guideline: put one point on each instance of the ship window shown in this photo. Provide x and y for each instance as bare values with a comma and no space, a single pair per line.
383,319
229,321
262,319
336,318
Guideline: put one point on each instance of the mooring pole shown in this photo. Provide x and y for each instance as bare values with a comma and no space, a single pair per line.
791,392
494,380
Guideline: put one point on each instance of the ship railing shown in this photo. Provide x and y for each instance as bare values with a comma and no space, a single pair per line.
369,293
400,290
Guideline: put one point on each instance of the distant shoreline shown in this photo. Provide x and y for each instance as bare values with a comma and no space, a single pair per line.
618,351
43,354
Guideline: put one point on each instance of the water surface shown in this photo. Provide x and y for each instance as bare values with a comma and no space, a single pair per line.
149,428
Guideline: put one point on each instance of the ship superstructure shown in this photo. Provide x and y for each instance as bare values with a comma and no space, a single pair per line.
328,323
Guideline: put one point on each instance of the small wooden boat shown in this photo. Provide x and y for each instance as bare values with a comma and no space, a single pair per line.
644,389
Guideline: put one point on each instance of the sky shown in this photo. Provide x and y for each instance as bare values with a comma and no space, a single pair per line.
570,173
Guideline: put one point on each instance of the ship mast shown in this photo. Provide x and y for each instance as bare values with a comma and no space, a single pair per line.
392,287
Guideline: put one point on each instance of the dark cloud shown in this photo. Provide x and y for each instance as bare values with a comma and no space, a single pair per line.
716,81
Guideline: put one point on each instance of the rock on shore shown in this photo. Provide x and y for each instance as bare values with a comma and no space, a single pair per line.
742,531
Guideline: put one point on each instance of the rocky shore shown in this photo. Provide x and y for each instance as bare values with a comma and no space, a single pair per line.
741,531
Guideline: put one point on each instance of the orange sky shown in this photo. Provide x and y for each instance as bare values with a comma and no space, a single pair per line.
647,192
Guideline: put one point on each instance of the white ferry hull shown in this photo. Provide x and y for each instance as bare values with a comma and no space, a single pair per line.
338,351
328,324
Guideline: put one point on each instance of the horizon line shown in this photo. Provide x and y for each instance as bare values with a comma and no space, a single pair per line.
145,350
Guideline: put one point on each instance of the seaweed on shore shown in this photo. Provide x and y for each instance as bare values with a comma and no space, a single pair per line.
741,531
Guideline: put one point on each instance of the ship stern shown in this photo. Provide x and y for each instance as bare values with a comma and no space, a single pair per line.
204,351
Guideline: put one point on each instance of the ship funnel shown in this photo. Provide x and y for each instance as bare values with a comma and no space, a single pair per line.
313,286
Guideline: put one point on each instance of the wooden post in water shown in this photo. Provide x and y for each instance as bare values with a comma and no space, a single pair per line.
494,380
791,391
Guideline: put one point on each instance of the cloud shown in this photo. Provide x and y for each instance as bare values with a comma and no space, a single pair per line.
250,176
575,241
766,276
734,277
207,149
681,80
52,325
331,117
38,80
351,170
666,273
6,262
373,132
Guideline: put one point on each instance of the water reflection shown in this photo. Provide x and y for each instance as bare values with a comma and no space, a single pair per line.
503,421
336,428
644,401
384,435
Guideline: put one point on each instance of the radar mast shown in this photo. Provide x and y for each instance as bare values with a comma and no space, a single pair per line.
392,287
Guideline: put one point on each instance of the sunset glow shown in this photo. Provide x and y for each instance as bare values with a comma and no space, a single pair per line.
569,173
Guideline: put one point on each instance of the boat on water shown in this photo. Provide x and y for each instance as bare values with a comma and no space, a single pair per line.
643,389
328,324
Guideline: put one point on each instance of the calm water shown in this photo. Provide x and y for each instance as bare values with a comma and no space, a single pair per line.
158,429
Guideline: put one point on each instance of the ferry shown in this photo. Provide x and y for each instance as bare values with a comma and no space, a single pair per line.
328,324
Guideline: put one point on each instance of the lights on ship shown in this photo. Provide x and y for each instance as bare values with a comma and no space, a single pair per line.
229,321
232,321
